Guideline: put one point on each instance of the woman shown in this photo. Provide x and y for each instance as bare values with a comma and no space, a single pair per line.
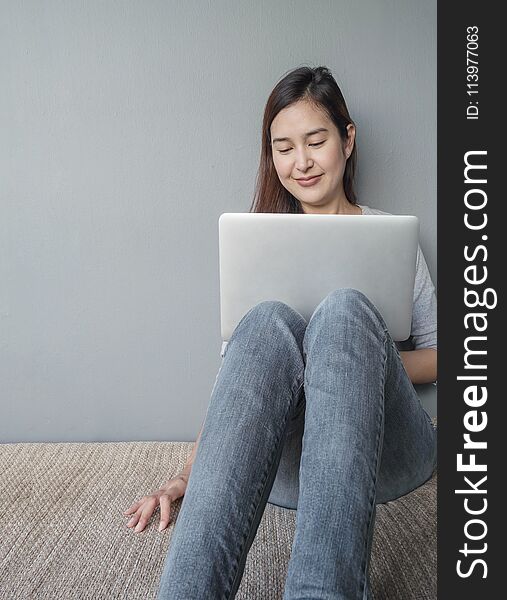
319,415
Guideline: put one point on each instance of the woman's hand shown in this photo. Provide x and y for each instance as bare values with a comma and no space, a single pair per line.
142,510
420,365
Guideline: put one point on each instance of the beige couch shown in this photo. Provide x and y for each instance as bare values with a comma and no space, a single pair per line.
63,534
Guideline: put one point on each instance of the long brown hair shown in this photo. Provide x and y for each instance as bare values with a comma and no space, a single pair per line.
316,85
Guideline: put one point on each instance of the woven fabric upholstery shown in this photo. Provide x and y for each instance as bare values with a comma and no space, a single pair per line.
63,534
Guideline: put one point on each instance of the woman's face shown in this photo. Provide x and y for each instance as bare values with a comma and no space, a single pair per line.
311,145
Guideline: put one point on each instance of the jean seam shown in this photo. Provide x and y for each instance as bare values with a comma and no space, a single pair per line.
373,493
427,416
260,492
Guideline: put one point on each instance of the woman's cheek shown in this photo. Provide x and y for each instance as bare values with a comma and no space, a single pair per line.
282,170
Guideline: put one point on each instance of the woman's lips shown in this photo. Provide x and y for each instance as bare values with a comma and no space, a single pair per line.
309,182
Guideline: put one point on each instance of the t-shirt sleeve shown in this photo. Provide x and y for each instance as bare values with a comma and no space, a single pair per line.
424,313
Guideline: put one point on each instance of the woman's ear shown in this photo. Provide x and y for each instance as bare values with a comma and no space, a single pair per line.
349,143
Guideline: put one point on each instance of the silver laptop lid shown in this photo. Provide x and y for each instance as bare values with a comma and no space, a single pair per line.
300,258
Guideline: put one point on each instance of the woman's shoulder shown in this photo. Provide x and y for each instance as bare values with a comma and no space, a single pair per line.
367,210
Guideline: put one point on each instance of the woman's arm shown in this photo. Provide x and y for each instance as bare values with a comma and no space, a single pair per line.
420,365
190,461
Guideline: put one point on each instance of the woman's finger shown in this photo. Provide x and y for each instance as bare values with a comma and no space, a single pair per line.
165,510
133,507
135,518
146,513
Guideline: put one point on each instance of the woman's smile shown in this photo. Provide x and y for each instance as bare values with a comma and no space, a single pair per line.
309,182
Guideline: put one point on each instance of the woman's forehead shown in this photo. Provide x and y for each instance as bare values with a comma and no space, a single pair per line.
301,119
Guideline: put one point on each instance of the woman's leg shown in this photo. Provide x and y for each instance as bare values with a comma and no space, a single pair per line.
255,393
366,439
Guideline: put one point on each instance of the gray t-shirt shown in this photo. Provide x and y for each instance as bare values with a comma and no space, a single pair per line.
423,332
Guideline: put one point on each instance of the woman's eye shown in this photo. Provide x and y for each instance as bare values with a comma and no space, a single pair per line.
287,149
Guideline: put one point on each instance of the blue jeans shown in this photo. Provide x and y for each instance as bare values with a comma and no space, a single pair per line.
327,410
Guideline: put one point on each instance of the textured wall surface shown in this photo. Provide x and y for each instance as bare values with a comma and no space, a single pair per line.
127,129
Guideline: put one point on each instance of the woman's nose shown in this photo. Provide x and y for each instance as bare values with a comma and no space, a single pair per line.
303,160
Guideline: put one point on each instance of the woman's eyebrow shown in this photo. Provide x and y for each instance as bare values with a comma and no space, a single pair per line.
309,133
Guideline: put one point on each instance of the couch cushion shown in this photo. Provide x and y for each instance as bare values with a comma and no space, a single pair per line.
64,534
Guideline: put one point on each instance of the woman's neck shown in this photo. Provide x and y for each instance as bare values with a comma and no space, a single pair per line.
343,208
350,209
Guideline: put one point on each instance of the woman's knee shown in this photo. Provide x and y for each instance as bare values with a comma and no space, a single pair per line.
273,319
348,300
347,308
352,301
276,311
269,337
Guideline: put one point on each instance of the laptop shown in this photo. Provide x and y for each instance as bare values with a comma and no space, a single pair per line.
300,258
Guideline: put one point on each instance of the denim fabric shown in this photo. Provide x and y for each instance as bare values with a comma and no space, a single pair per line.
318,415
